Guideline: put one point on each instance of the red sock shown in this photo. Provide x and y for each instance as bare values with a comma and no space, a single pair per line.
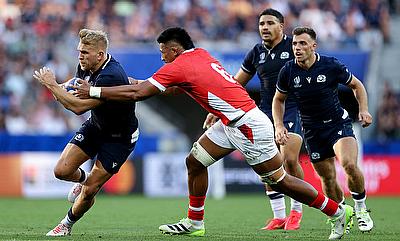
326,205
196,207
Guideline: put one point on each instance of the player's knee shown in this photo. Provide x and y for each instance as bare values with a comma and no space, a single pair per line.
63,173
193,165
201,155
273,177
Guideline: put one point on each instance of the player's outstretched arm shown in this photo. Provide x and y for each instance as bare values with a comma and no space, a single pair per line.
360,93
136,92
47,78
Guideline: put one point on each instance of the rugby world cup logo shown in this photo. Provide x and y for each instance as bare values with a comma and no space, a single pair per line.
297,82
262,58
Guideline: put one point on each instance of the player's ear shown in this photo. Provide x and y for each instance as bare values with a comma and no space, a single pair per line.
100,54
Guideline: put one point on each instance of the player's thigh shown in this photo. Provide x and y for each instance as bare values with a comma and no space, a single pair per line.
326,168
71,158
291,150
346,150
212,145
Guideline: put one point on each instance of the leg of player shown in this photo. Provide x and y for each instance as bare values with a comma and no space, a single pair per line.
290,153
67,167
278,206
273,173
326,170
98,176
346,151
203,154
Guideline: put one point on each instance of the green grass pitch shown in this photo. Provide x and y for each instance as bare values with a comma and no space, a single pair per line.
237,217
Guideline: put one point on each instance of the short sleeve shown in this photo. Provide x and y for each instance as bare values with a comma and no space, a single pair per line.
342,73
282,84
168,75
248,63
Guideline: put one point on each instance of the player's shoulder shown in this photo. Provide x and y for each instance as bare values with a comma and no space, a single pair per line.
325,59
287,39
289,64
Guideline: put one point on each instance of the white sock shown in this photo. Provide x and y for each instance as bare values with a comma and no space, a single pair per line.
67,221
296,205
359,204
278,205
197,223
338,212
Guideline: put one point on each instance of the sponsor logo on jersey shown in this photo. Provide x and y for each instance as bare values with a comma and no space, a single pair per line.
272,56
340,133
262,58
290,124
284,55
114,164
297,82
308,79
321,78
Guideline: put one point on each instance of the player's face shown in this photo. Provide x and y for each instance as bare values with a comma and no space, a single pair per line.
271,30
303,47
89,57
167,53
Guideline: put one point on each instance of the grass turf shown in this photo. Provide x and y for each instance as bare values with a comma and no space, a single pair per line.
237,217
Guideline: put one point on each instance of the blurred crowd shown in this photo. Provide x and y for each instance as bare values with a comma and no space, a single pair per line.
388,121
34,33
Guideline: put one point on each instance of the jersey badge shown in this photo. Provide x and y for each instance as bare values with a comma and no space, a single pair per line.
321,78
284,55
308,79
315,155
272,56
297,82
79,137
262,58
290,124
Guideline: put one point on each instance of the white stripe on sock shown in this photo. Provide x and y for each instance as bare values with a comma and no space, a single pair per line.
324,203
196,209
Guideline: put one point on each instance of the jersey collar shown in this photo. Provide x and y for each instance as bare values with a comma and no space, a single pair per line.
280,42
318,57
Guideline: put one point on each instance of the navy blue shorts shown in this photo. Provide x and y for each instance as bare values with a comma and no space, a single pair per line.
111,152
291,120
319,141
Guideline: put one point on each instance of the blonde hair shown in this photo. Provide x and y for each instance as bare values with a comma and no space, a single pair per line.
95,38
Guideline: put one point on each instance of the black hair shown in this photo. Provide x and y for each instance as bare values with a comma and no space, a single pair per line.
178,35
306,30
272,12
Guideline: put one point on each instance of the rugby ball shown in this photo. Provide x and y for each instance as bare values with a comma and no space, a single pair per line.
68,85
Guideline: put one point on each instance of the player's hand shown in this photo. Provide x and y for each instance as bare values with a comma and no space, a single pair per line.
45,76
281,134
365,118
82,89
209,121
132,81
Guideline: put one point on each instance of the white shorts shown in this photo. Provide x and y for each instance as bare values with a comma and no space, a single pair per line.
252,135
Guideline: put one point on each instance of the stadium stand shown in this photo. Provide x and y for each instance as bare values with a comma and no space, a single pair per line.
35,33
